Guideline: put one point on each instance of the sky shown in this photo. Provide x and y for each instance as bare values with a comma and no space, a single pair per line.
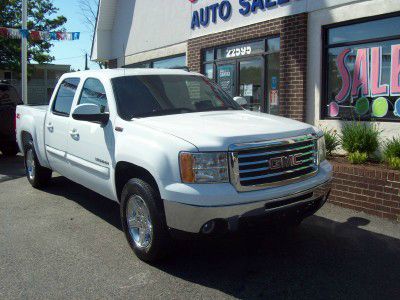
73,52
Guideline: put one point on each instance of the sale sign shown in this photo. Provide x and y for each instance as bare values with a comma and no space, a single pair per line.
367,74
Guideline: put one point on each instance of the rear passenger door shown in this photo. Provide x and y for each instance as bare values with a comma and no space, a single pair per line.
57,124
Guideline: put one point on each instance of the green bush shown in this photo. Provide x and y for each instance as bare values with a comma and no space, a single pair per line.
391,153
331,140
360,140
358,157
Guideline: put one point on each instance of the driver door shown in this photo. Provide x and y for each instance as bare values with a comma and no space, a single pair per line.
91,145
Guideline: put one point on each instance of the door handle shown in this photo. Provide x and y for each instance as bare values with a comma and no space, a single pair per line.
74,134
50,126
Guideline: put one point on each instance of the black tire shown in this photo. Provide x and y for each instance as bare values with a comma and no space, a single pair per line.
160,238
10,150
38,176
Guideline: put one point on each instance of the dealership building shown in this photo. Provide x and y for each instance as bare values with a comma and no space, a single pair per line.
319,61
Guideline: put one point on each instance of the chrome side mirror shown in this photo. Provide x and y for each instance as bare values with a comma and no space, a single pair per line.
240,100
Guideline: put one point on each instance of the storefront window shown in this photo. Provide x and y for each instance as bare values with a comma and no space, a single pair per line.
250,70
362,71
170,63
241,50
175,62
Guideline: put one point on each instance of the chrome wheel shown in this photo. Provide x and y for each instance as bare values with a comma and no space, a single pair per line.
30,164
139,222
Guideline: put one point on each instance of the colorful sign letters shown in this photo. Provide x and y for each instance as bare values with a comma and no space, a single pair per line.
365,81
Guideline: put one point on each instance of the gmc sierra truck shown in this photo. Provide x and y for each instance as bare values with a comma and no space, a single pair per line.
177,153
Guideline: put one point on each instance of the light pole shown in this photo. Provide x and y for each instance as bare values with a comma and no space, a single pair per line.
24,50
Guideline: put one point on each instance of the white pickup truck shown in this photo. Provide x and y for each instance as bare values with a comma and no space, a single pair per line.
175,151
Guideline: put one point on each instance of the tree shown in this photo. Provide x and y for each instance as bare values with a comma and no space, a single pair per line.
41,17
89,13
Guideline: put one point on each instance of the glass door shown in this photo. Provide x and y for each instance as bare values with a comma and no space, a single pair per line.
226,78
251,74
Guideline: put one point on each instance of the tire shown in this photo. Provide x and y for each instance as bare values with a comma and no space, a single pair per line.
147,233
10,150
37,175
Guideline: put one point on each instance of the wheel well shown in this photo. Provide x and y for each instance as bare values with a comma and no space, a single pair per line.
25,138
125,171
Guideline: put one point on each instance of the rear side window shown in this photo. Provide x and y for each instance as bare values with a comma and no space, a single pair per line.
65,96
93,92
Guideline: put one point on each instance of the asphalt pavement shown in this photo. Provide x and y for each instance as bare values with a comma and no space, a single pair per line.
66,242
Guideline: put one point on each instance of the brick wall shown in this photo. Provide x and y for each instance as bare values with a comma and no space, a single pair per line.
113,64
368,189
293,56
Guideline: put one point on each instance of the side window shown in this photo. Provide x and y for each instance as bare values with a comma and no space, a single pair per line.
93,92
65,95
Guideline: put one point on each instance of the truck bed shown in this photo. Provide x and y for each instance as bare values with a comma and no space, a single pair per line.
31,119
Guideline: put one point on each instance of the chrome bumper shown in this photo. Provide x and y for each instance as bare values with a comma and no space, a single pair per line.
191,218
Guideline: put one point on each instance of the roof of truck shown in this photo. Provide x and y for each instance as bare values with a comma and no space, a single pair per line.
110,73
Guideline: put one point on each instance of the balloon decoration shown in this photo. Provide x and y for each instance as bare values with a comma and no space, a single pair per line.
380,107
333,109
397,108
14,33
362,106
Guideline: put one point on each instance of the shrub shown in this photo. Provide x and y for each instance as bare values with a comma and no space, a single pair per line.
331,140
391,153
360,140
358,157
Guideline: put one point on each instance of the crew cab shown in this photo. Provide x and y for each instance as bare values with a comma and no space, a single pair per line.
177,153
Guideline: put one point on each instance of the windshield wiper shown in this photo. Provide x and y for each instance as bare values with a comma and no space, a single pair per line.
218,108
162,112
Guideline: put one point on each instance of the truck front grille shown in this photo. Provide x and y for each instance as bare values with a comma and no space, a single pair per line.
264,164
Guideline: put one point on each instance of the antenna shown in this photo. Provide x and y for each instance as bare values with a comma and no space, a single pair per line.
123,53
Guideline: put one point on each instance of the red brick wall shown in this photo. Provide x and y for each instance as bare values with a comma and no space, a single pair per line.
368,189
293,56
112,64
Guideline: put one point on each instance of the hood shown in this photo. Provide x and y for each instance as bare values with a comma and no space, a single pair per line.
216,130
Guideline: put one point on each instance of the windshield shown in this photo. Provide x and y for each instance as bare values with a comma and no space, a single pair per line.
156,95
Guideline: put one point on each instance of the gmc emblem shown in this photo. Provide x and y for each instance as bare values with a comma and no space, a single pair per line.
283,162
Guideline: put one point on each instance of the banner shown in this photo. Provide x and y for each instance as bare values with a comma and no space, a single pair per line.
36,35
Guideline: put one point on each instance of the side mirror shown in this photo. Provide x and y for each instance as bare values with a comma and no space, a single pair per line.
240,100
91,113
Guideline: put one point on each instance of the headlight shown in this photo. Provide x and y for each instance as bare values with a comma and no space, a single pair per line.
321,149
207,167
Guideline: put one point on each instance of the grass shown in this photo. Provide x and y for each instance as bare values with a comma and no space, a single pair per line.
360,140
331,140
391,153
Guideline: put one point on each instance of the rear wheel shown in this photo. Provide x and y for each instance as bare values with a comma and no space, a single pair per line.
37,175
143,220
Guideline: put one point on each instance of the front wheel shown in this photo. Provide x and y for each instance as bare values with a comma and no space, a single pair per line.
37,175
143,221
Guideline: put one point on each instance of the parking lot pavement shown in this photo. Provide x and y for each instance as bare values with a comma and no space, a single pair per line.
66,241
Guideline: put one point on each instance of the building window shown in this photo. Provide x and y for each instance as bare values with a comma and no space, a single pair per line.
250,69
362,70
173,62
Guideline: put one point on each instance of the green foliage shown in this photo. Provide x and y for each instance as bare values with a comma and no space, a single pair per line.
360,137
391,152
358,157
41,16
331,140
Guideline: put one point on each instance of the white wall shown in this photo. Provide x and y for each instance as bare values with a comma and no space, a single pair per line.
316,20
142,25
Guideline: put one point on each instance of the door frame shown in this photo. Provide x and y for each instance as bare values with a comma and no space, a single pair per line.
236,63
